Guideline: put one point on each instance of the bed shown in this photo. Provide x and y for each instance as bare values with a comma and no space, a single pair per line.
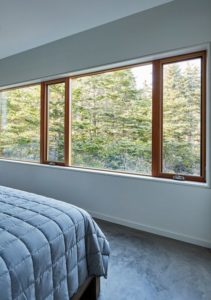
49,249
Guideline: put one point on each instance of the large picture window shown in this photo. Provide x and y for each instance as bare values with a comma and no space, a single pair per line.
112,120
147,119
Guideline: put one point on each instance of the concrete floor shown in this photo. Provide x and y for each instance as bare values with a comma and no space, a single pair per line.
144,266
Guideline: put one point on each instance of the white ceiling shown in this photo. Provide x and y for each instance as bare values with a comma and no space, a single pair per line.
25,24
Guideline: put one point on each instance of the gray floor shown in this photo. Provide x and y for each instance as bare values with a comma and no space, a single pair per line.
144,266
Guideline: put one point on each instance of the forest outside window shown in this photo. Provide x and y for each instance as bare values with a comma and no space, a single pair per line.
20,123
180,117
112,120
144,119
55,122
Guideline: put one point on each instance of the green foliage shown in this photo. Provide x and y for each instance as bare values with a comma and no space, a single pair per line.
111,121
56,107
20,123
181,143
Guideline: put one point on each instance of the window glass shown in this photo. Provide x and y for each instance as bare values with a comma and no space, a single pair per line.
108,122
20,123
56,111
111,120
182,117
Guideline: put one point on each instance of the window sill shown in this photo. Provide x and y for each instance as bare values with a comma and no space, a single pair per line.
109,173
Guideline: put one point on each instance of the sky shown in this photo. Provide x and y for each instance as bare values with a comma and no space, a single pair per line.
142,74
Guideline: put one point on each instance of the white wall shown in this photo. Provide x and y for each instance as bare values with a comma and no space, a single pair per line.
172,209
179,24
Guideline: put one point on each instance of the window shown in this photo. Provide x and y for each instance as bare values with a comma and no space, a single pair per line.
179,117
20,123
55,122
112,120
147,119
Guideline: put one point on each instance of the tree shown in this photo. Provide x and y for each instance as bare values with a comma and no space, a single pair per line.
111,122
20,123
181,144
56,107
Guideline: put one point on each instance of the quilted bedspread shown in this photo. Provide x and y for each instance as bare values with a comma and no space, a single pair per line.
48,248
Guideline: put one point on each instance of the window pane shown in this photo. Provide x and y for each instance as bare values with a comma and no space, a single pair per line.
20,123
181,117
56,111
111,120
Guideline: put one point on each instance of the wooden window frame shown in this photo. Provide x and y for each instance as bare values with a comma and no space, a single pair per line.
44,123
157,115
157,118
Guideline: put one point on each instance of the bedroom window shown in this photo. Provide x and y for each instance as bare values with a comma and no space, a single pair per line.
179,118
112,120
147,119
55,122
20,123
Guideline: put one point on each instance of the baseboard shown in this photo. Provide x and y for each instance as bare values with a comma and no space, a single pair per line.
151,229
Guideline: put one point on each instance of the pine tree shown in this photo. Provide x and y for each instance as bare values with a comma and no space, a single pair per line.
181,141
111,122
20,123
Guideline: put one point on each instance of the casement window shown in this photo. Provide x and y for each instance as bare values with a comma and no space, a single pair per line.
55,122
146,119
179,117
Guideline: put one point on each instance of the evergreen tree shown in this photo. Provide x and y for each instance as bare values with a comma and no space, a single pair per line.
181,103
20,123
56,111
111,121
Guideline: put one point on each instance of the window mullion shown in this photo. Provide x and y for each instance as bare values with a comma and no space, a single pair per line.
156,119
67,127
44,122
203,115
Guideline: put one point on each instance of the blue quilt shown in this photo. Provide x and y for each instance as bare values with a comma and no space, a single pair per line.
48,248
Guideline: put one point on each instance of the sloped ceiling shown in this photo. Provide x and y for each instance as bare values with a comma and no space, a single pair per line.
25,24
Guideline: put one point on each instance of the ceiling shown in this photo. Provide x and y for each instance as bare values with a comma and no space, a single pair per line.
25,24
